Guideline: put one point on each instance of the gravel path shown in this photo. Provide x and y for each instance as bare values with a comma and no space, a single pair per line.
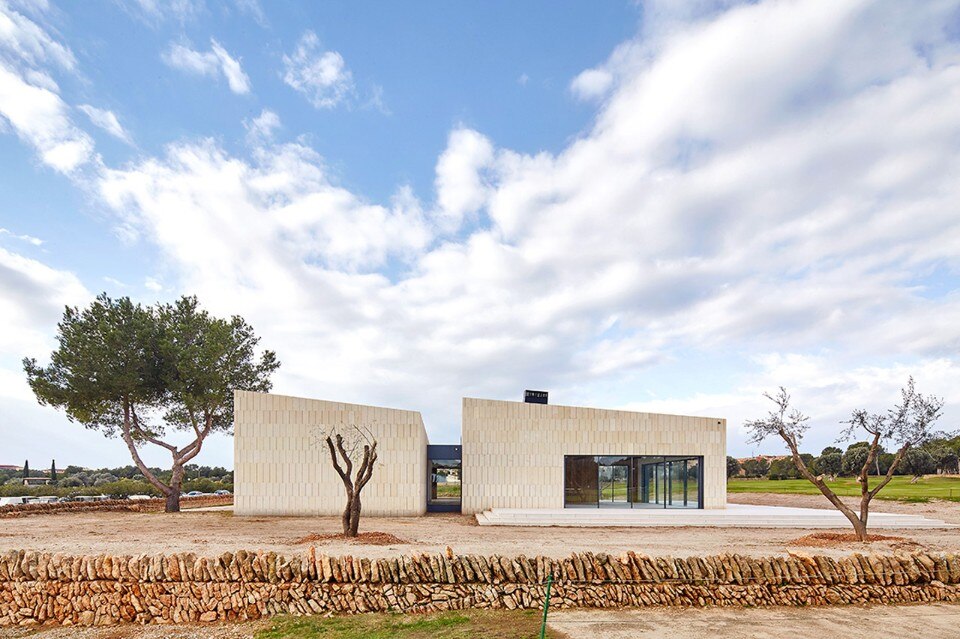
855,622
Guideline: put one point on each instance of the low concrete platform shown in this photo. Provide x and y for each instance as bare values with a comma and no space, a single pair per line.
733,516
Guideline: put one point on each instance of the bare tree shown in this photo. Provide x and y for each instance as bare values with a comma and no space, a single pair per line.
907,424
352,447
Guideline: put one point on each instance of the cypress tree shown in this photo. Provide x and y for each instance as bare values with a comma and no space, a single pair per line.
53,471
26,468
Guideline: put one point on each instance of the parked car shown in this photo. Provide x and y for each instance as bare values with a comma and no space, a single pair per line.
222,492
196,493
45,499
12,501
139,497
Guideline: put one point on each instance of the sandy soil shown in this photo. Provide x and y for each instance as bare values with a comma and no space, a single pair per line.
214,532
854,622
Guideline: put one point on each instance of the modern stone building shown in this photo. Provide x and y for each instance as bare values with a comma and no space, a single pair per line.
525,455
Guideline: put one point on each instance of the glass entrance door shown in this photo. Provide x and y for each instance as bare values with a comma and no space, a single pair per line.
613,477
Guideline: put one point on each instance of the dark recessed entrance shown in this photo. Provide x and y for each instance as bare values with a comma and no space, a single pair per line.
444,478
632,481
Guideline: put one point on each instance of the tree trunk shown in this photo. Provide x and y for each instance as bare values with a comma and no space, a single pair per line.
347,512
176,482
860,528
354,516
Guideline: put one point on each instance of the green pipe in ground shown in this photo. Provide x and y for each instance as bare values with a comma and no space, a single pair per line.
546,605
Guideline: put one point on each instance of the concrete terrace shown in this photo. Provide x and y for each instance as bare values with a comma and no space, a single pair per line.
733,516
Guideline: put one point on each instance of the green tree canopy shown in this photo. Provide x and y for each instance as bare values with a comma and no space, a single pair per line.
758,467
918,462
830,463
733,467
142,373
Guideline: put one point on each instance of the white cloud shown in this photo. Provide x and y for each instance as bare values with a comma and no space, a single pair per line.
208,63
462,188
322,76
29,98
32,298
29,239
152,284
23,39
253,9
592,84
376,101
106,120
262,127
823,387
759,181
772,184
40,118
282,202
156,11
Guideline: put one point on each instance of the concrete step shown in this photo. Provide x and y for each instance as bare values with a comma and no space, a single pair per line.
736,516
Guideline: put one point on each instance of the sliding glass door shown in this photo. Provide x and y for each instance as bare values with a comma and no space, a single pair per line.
614,480
632,481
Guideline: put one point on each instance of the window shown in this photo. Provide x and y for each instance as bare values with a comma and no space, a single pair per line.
632,481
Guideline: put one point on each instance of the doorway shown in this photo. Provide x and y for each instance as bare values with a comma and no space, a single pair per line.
613,478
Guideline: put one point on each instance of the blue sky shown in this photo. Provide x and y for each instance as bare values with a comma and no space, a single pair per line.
661,206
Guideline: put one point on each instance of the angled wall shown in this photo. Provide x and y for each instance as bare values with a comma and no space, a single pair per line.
282,466
513,452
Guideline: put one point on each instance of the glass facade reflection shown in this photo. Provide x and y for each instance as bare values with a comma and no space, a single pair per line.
632,481
445,478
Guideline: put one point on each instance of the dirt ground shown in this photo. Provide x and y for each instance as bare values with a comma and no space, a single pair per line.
943,510
853,622
848,622
214,532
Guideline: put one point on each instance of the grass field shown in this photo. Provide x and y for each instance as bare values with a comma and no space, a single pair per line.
502,624
899,488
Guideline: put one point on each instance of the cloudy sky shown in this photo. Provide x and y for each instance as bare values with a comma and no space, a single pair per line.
653,206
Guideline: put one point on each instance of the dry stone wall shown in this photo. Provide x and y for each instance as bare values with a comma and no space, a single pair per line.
114,505
41,588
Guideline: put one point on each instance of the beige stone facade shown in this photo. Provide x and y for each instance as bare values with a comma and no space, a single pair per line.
513,452
282,467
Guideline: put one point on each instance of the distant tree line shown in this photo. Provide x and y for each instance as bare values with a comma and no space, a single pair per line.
121,482
938,456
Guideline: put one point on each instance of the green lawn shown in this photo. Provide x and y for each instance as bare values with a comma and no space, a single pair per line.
502,624
448,490
899,488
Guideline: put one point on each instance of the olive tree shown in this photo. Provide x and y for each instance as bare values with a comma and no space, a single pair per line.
352,447
907,425
145,373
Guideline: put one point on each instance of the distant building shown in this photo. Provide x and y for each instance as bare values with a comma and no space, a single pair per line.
36,481
9,467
